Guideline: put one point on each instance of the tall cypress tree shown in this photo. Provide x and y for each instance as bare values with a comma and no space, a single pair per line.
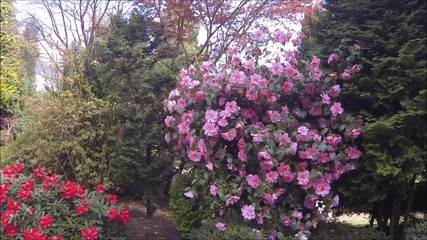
390,93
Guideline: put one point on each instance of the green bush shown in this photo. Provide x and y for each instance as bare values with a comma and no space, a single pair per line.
185,213
209,231
72,136
418,231
344,231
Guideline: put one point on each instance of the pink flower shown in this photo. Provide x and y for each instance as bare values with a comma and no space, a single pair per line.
284,139
264,155
232,200
222,122
336,109
236,59
271,177
335,91
297,215
325,98
242,156
284,170
189,194
355,68
303,177
315,63
287,87
274,116
221,226
256,137
194,156
169,120
258,35
230,135
286,222
336,201
269,198
354,133
315,111
303,130
210,129
252,94
280,36
187,118
276,68
232,107
214,190
183,128
249,65
332,58
253,180
353,153
322,189
248,212
345,75
211,116
237,78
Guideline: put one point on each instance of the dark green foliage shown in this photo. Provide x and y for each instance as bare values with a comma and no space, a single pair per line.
126,69
344,231
418,231
390,93
209,231
184,211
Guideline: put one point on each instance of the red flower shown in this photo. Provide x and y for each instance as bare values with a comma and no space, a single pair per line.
24,194
34,234
90,233
82,209
124,215
71,190
11,230
31,210
46,222
28,185
113,214
5,217
13,206
40,172
51,180
4,190
100,188
112,198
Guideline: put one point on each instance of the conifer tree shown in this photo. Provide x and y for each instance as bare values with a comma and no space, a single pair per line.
390,93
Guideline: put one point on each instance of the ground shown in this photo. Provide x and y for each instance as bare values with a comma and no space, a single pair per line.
158,227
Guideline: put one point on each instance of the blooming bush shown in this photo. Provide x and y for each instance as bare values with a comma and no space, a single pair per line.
43,206
266,141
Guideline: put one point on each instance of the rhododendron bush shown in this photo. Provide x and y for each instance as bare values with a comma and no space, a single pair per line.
266,141
43,206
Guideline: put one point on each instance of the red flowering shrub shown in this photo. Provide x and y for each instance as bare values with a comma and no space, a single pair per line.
266,142
43,206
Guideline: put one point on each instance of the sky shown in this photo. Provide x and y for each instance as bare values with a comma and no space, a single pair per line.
25,9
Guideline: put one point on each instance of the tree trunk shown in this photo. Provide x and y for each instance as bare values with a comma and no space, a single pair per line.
409,204
395,217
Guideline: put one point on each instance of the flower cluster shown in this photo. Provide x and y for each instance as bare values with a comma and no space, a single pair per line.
46,201
268,141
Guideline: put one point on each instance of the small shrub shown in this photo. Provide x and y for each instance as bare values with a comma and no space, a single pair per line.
184,211
43,206
343,231
229,228
417,232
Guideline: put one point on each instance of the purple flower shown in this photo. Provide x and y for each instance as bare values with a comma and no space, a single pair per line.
248,212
